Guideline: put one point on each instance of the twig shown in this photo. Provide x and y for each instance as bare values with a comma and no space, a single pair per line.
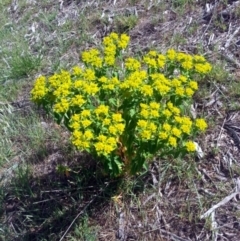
230,59
47,200
173,236
122,224
231,37
224,201
214,227
6,62
80,213
77,218
221,130
213,11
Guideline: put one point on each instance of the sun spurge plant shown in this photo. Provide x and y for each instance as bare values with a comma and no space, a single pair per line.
126,110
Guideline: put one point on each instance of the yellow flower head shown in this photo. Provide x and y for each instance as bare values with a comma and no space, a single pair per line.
92,57
76,117
193,85
167,113
142,124
77,70
176,83
102,138
89,75
102,109
176,132
161,59
166,127
109,60
113,36
183,78
40,90
144,113
172,141
143,106
178,119
175,111
88,135
85,113
91,88
186,121
78,100
103,79
112,141
152,63
123,42
203,68
154,113
75,125
107,41
120,128
199,58
190,146
85,123
189,92
112,130
187,65
145,134
163,135
154,105
152,127
61,107
78,84
117,117
201,124
106,121
147,90
171,54
180,91
185,129
132,64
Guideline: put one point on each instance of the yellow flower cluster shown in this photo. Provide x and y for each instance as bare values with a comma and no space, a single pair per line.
134,81
103,139
190,146
157,84
112,44
201,124
60,82
132,64
61,106
146,125
154,60
82,139
188,62
170,130
40,90
107,142
120,42
99,101
105,145
76,70
109,83
92,57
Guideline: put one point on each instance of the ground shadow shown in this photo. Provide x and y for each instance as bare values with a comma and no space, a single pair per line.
41,207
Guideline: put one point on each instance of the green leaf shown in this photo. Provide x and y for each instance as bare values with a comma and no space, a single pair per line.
118,164
110,165
132,112
112,101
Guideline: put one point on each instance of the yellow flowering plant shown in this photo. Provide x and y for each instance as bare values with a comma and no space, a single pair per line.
126,110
